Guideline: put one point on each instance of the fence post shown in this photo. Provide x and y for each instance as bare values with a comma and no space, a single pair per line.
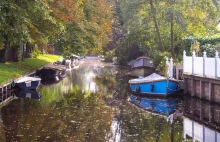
184,55
216,64
204,56
168,69
193,57
171,67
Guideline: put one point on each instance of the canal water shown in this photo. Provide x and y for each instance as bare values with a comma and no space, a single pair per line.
94,104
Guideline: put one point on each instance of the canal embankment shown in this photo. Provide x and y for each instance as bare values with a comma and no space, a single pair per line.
13,70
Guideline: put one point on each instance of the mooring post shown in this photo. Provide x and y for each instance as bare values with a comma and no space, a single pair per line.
171,67
168,65
204,57
216,64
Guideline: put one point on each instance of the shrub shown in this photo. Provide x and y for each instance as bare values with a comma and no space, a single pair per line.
36,52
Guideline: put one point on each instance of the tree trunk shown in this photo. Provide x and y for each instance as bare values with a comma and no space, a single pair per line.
28,50
171,32
153,11
3,51
15,54
171,35
2,55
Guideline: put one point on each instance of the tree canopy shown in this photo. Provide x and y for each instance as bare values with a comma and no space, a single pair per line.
78,26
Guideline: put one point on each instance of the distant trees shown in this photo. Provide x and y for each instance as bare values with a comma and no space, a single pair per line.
78,26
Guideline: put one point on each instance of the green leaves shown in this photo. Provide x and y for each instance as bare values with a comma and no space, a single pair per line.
165,23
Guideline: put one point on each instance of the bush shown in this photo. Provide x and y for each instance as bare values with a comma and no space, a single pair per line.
210,49
36,52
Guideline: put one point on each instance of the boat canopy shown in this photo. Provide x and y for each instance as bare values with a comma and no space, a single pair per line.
150,78
143,62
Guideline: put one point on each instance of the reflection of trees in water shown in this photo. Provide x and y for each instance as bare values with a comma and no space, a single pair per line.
139,125
74,116
113,87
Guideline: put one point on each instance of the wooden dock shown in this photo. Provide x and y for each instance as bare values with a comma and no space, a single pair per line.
202,77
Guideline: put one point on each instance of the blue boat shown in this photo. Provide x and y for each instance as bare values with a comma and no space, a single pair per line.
154,85
33,94
27,83
164,107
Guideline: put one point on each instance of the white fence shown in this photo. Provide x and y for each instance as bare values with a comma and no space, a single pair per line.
203,66
170,67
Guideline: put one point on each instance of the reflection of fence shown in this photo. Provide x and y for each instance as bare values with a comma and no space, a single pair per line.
203,66
201,120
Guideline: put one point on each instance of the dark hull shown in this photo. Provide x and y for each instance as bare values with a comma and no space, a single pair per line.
141,71
48,74
28,86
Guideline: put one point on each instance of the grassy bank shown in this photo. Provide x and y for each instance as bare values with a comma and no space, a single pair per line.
12,70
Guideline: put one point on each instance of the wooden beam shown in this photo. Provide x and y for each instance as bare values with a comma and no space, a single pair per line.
185,86
210,91
192,87
201,89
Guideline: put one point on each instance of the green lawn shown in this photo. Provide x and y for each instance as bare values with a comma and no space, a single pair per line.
12,70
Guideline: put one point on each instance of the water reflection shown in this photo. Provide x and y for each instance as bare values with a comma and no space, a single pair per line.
73,110
33,94
161,106
201,120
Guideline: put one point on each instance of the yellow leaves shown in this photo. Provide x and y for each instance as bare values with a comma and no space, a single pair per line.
195,18
64,10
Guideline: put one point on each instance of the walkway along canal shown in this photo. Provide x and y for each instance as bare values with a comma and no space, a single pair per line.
91,104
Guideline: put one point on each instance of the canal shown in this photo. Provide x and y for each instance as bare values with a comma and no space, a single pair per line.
92,104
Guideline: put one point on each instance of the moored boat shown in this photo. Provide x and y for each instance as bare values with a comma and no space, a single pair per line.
51,73
154,85
27,83
142,66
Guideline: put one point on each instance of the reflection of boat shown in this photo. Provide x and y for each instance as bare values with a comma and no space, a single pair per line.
27,82
154,84
29,94
159,106
143,66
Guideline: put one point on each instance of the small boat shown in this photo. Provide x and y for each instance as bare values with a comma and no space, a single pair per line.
164,107
51,73
29,94
154,85
27,83
142,66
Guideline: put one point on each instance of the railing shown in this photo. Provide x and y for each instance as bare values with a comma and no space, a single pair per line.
203,66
